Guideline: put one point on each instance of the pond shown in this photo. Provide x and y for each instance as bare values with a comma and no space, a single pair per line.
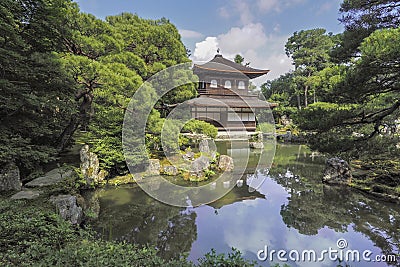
291,211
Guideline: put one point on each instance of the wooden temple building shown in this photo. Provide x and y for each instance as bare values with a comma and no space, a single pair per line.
224,98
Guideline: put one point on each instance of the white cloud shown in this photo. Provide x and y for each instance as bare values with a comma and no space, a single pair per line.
190,34
243,9
249,37
267,5
223,12
206,49
277,5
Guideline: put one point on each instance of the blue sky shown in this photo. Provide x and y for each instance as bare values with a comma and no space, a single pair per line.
256,29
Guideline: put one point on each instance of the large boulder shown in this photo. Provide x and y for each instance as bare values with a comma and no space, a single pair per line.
337,171
204,146
67,207
90,167
256,145
9,178
170,170
188,156
26,194
50,178
154,167
199,165
225,163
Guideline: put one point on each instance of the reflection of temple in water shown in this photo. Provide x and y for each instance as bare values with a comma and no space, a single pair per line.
242,191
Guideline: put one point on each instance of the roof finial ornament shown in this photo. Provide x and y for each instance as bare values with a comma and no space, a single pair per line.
218,50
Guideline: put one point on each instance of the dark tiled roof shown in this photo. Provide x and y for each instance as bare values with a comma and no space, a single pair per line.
221,64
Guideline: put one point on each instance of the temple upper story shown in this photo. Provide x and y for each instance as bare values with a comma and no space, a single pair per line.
220,73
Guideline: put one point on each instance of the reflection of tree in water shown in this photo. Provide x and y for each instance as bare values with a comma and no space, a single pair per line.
130,215
313,206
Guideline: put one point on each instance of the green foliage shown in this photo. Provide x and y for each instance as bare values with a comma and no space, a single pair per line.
108,61
361,18
32,236
309,50
35,95
266,127
366,103
239,59
200,127
29,233
233,259
100,253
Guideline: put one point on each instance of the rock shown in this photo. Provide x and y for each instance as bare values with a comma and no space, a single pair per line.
256,145
337,171
225,163
199,165
9,178
26,194
285,120
90,167
260,137
50,178
154,167
170,170
67,208
189,156
204,146
90,203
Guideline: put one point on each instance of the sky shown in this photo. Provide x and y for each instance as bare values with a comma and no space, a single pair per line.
255,29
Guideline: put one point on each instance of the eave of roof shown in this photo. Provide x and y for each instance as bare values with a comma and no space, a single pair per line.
220,64
232,102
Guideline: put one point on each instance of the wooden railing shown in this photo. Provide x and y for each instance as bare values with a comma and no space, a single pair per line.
223,91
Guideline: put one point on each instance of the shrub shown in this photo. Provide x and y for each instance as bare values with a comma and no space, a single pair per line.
200,127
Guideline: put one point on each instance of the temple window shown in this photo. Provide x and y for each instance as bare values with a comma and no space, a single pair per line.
228,84
213,84
241,85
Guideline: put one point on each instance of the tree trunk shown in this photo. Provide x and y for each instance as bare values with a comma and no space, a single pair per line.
77,119
66,135
298,102
306,96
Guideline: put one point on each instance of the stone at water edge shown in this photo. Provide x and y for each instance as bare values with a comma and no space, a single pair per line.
337,171
204,146
90,167
9,178
154,167
199,165
189,156
67,207
256,145
170,170
225,163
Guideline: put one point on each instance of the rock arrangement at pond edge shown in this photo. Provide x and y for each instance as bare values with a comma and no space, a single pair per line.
67,207
337,171
90,167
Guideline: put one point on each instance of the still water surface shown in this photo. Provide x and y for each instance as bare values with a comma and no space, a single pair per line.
292,210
